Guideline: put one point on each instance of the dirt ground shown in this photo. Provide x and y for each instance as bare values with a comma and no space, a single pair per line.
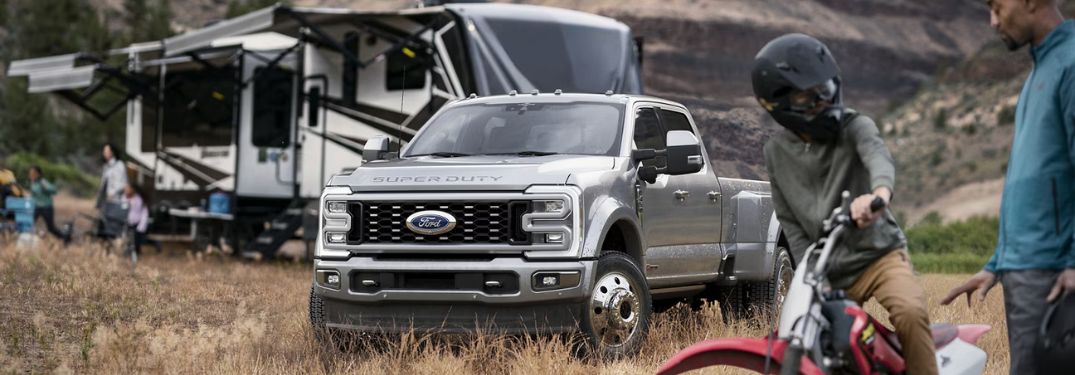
78,310
974,199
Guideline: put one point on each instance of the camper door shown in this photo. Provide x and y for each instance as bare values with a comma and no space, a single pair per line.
266,144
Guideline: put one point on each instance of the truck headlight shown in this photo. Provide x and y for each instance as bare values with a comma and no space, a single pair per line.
555,206
336,237
336,207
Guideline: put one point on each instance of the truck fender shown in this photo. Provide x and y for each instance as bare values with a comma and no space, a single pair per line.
604,216
755,237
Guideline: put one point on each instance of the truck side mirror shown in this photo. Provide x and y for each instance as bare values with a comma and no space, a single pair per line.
643,154
313,107
376,148
684,153
648,173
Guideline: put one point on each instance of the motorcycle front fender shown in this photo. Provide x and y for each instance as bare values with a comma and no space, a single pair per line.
746,353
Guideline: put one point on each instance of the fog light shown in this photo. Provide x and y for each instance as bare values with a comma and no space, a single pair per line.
336,237
554,238
549,280
337,207
329,279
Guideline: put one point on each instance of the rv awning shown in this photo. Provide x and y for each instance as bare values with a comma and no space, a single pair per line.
281,19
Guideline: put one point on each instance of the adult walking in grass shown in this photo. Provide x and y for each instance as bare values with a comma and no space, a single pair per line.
1035,253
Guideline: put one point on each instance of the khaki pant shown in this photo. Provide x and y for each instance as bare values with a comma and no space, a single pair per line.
891,281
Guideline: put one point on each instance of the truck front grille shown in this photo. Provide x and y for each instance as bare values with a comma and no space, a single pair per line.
477,222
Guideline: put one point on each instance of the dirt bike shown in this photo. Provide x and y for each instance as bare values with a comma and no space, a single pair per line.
823,332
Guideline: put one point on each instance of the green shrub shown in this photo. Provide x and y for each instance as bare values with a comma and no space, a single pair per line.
66,176
1006,116
948,263
977,235
940,120
959,247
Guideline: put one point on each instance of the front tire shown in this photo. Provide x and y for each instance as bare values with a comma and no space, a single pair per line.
616,319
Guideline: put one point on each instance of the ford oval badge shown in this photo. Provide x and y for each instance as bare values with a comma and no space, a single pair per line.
431,223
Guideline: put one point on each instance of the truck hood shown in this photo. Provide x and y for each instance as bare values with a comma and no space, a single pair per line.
474,173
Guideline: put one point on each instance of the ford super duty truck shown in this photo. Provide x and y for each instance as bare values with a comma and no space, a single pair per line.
556,213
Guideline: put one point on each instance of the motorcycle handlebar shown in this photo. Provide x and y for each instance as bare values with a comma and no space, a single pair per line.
877,205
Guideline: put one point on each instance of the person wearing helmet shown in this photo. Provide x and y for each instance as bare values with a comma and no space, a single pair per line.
824,150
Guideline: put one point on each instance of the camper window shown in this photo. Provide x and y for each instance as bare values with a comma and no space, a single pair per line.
198,108
415,66
272,108
594,56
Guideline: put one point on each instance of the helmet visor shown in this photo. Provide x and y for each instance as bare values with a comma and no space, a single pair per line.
811,98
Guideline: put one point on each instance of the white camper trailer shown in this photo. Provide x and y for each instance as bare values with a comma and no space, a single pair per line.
269,105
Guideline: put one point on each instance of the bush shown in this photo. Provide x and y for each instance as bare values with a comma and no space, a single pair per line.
1006,116
959,247
65,176
977,235
948,263
940,120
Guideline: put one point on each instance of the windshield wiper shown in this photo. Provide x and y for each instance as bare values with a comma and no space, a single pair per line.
443,154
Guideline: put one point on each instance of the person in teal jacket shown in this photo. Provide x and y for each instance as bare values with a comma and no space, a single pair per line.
1035,253
41,191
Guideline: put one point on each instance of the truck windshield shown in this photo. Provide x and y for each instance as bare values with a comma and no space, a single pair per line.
526,129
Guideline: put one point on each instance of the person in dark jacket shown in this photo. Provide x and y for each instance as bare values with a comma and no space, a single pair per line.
827,149
1035,253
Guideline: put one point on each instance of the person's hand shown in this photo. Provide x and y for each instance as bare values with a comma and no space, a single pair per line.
1064,283
978,285
860,207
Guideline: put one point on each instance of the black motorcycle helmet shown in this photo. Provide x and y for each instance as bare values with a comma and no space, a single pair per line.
793,76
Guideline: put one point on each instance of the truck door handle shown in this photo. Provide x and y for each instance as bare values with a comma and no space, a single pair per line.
714,196
681,194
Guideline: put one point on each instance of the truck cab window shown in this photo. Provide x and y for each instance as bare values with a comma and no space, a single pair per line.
649,133
673,120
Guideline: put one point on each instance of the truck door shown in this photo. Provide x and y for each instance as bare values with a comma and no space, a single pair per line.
680,218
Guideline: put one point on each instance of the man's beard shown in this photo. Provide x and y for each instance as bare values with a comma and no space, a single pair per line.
1012,44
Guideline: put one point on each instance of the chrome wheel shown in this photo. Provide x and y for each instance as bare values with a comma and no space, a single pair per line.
783,283
615,310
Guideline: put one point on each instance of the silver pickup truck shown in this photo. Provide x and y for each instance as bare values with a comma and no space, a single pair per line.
548,213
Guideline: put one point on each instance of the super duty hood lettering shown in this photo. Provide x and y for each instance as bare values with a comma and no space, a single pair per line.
422,179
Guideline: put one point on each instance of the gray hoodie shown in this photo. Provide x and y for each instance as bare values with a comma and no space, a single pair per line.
807,180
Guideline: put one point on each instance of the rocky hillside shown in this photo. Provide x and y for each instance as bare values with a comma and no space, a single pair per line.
699,52
952,139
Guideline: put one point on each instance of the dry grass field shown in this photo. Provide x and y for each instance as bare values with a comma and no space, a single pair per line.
76,310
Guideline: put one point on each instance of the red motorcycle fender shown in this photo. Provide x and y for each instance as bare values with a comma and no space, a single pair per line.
746,353
972,332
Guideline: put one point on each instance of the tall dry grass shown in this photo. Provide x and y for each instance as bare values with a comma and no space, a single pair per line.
77,310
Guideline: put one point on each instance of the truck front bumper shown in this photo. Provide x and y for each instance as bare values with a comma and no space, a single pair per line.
490,295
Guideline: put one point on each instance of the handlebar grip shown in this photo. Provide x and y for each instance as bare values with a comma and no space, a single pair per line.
792,358
877,205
